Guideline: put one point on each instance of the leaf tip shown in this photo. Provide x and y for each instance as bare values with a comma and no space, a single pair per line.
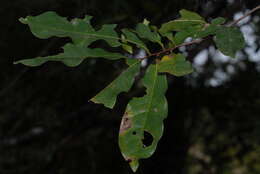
134,164
96,101
23,20
146,22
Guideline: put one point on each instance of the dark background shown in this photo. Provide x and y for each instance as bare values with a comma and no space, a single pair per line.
47,125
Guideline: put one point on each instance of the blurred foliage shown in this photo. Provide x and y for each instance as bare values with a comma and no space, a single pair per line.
48,126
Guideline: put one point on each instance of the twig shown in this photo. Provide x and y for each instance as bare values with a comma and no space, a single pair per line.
243,17
173,48
200,40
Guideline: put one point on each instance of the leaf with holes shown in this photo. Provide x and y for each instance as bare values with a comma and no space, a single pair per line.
121,84
72,56
175,65
229,40
144,116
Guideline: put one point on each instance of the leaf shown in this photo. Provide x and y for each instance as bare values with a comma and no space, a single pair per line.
73,55
128,48
121,84
229,40
169,36
218,21
188,20
144,115
145,32
131,37
146,22
180,36
175,65
50,24
209,29
186,14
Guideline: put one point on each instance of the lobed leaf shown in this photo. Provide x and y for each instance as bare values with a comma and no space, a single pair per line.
198,32
144,115
79,30
131,37
121,84
145,32
73,55
229,40
175,65
188,20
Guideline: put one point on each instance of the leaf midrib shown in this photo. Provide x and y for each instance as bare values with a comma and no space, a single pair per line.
152,96
89,34
110,84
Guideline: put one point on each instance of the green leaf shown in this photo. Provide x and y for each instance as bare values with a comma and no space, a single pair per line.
121,84
180,36
128,48
209,29
73,55
170,37
131,37
145,32
186,14
50,24
229,40
218,21
175,65
188,20
144,115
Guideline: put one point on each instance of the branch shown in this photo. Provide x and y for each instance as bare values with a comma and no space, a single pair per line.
200,40
171,49
243,17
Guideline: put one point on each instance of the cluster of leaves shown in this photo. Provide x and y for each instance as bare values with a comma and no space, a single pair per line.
143,115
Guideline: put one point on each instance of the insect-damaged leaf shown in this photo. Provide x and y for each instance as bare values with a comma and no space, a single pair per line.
121,84
50,24
229,40
73,55
175,65
144,115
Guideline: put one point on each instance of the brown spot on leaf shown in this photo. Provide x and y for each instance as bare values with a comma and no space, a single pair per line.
126,123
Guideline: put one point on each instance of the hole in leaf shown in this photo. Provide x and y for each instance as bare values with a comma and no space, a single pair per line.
148,139
134,133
